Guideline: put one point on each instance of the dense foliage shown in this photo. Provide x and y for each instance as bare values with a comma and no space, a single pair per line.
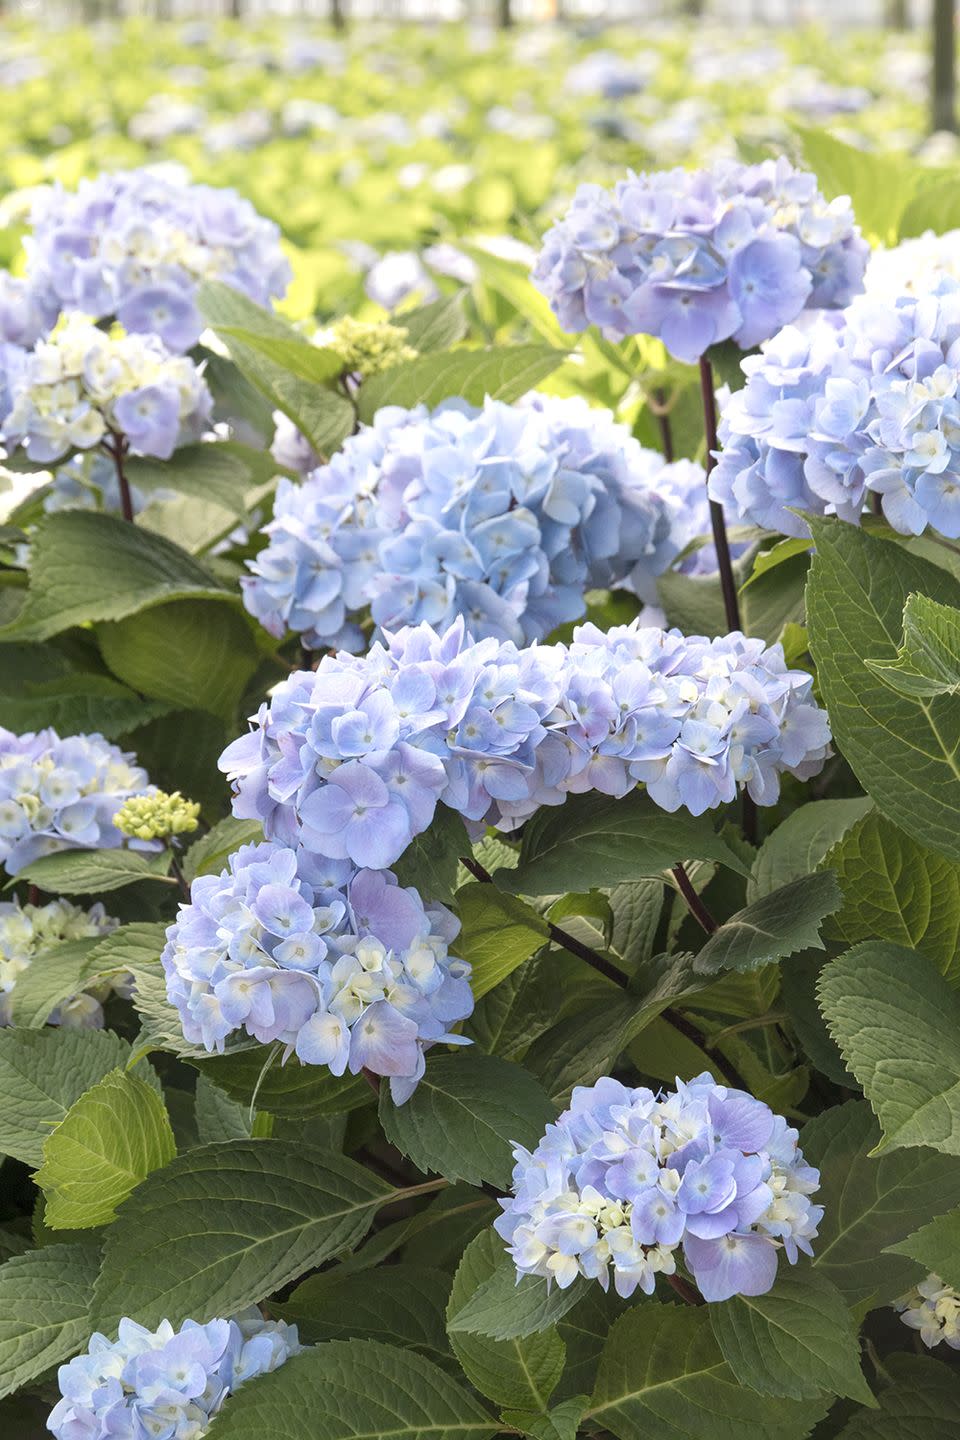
479,802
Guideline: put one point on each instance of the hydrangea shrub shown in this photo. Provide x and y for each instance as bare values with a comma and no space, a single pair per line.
481,944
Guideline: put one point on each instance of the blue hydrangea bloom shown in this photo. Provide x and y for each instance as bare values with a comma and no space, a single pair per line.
165,1383
352,759
504,514
28,932
627,1178
62,794
698,257
344,967
134,246
853,405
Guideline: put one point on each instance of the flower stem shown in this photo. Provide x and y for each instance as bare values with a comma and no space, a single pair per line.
728,584
695,905
372,1081
117,451
688,1293
659,406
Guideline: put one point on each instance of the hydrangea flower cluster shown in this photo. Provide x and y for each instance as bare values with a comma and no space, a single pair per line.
345,968
697,257
135,245
933,1308
913,267
366,348
504,514
626,1177
352,759
62,794
83,386
166,1383
27,932
867,402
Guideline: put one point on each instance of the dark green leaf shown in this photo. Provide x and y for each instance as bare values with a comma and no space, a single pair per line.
773,927
430,861
923,1402
936,1247
210,854
502,1307
44,1309
398,1304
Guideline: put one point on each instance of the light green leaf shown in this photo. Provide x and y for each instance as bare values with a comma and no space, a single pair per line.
936,208
895,889
871,1203
355,1390
662,1373
499,933
465,1116
131,947
521,1372
593,841
880,185
798,1340
436,326
44,1310
218,1117
928,661
511,279
210,854
501,1307
42,1073
106,1144
502,374
800,842
636,908
86,566
897,1022
397,1304
53,976
224,1225
905,751
936,1246
193,648
923,1402
225,473
93,872
773,927
224,305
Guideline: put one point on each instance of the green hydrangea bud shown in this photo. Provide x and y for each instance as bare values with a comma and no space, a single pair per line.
157,816
365,348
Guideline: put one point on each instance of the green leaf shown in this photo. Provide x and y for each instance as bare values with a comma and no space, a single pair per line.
936,1246
936,208
897,1022
501,1307
584,1331
773,927
903,750
436,326
800,842
396,1304
465,1116
224,1225
508,1019
223,305
880,185
295,1090
798,1340
193,648
521,1372
106,1144
225,472
92,872
86,566
430,861
923,1402
928,661
42,1073
560,1423
53,976
44,1310
499,933
218,1117
871,1203
593,841
131,947
75,703
662,1373
502,374
210,854
511,279
355,1390
895,889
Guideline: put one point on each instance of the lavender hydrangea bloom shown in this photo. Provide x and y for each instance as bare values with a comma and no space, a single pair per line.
81,385
504,514
62,794
352,759
165,1382
28,932
134,246
344,967
859,404
627,1178
699,257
